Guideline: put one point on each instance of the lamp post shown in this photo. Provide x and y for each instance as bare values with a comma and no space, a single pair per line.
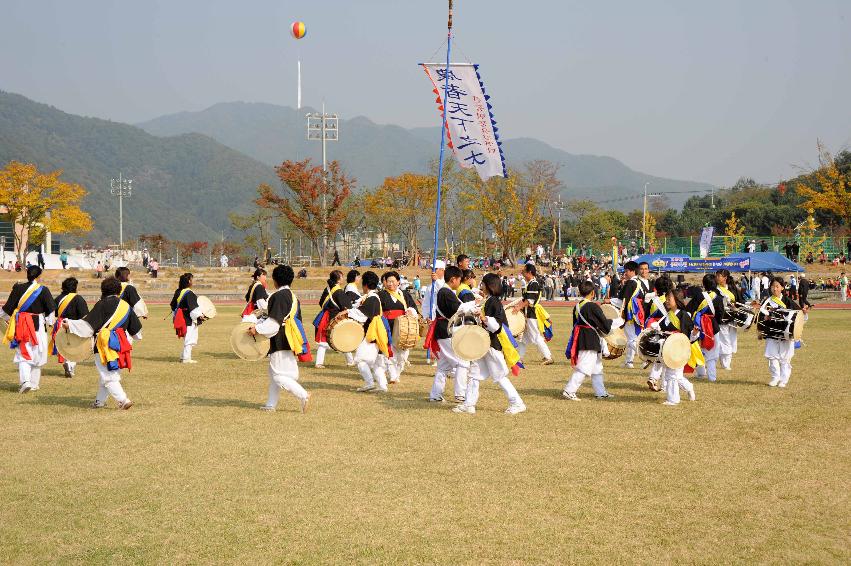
644,217
323,127
122,188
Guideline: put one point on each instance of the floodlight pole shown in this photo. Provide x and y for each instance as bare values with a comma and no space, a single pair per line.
323,127
122,188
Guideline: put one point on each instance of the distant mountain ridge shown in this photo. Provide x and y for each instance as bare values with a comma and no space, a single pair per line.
370,151
183,186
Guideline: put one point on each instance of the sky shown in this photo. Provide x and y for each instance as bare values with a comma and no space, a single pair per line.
703,91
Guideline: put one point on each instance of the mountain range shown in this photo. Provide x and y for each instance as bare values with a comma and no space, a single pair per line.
191,169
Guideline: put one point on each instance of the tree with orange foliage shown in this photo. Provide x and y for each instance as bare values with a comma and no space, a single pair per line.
406,199
36,203
312,204
828,189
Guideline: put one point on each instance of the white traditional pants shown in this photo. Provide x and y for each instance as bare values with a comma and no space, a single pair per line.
588,364
190,340
657,372
533,335
370,366
779,354
674,380
447,362
728,338
29,371
283,374
711,357
632,332
491,365
109,383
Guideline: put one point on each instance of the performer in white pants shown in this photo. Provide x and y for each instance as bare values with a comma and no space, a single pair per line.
72,306
333,300
494,364
111,320
531,297
187,316
439,342
29,308
707,311
586,346
631,302
352,291
779,352
675,319
368,312
728,334
395,303
283,313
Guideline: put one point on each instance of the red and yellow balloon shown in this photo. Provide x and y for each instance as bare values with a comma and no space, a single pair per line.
298,30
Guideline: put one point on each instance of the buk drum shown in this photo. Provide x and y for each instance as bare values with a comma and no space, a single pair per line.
616,342
470,341
739,315
610,312
208,309
72,347
670,348
248,347
345,334
516,322
406,330
781,324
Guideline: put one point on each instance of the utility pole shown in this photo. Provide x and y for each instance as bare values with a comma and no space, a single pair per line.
323,127
644,217
122,188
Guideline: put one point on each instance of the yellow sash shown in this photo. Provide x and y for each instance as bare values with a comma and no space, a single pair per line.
777,301
399,296
63,304
377,332
106,354
10,330
696,358
291,330
509,352
727,293
543,317
180,297
331,291
462,287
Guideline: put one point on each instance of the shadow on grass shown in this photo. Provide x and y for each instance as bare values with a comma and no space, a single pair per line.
209,402
76,401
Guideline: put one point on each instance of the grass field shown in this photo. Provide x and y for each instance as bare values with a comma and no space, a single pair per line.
196,473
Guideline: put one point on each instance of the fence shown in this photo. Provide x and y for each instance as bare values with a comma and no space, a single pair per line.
720,246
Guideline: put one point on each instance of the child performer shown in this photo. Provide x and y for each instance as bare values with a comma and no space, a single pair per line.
332,302
376,336
585,347
395,303
72,306
288,341
536,317
501,355
28,309
727,334
468,289
187,316
439,342
631,302
676,319
707,310
129,294
256,297
112,322
656,311
779,352
352,291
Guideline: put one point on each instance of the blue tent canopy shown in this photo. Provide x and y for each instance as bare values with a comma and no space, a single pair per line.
737,263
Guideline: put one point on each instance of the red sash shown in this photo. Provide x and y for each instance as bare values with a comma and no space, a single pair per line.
394,314
249,308
124,358
430,342
708,339
179,323
322,329
574,342
25,333
56,326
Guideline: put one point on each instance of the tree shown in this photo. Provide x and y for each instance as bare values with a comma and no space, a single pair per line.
544,174
405,201
512,207
811,242
312,202
156,243
735,234
38,202
190,249
828,188
256,226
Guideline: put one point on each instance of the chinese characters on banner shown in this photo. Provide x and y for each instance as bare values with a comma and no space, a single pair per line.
470,125
706,240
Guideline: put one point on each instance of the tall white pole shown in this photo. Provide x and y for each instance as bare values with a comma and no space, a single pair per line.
299,85
120,211
644,221
324,193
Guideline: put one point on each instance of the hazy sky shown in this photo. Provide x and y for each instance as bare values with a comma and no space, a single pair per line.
704,91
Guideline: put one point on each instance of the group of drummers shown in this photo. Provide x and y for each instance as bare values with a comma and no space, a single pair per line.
467,331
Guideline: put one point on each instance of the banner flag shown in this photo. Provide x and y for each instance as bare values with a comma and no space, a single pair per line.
706,240
470,127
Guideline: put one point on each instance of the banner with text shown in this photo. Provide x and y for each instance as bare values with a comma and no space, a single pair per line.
473,135
706,240
688,264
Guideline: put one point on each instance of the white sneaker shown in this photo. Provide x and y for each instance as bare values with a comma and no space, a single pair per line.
379,390
669,403
464,409
570,396
628,365
25,387
126,404
781,384
773,383
350,364
515,408
267,409
692,396
322,366
36,388
365,388
188,361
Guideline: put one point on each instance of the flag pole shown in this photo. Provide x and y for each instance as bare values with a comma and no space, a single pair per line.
440,159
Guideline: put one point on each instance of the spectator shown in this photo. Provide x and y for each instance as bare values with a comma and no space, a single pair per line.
223,260
336,260
63,259
99,270
154,267
40,259
417,284
17,265
146,258
763,246
804,290
843,286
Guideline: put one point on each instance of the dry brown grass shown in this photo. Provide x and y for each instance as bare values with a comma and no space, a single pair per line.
196,473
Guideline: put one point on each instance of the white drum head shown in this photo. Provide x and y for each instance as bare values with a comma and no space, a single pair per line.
346,336
248,347
470,342
208,309
798,326
72,347
676,350
610,311
516,322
